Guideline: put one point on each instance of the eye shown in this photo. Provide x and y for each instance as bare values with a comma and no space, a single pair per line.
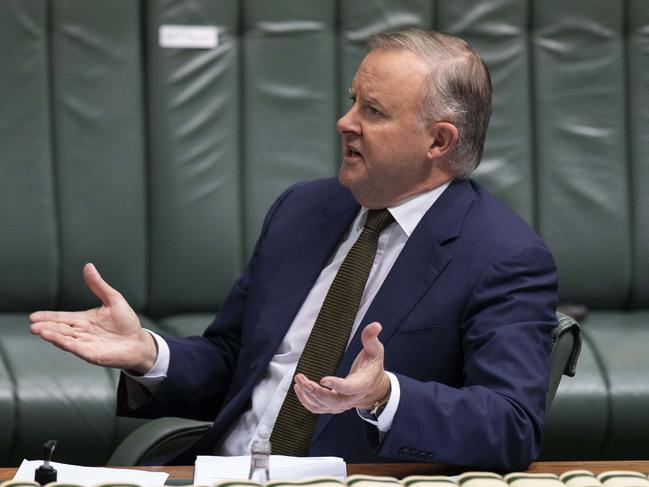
374,111
352,98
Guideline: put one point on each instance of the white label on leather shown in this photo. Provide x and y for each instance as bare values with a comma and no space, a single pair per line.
188,36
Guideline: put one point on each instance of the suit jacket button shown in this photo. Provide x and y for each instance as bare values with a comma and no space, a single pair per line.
421,455
429,457
403,452
412,454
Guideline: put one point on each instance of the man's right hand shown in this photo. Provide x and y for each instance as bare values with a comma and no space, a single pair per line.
110,335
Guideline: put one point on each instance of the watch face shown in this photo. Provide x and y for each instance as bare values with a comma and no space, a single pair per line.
380,410
378,407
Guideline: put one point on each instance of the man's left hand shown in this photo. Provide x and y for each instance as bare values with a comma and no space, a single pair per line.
366,383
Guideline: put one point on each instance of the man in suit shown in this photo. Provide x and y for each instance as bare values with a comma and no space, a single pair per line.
445,356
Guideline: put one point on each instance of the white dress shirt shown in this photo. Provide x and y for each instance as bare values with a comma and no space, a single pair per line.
268,395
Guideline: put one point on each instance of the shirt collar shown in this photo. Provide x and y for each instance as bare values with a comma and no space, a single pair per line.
409,213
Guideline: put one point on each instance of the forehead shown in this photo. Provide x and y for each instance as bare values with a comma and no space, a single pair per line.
391,72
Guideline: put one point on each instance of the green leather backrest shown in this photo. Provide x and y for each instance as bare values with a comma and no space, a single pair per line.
499,32
289,99
637,102
98,146
29,251
583,170
158,164
194,168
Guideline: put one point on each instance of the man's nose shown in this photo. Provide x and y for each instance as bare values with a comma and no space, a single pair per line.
347,124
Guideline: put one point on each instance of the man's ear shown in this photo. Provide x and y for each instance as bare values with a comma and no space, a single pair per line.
445,136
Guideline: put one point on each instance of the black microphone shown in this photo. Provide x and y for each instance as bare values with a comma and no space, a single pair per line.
46,473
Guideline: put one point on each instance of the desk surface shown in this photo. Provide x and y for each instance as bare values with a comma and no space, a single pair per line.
401,470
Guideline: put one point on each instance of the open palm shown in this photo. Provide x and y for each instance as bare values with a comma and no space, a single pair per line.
110,335
366,383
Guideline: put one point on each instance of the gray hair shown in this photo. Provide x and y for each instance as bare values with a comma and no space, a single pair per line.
459,88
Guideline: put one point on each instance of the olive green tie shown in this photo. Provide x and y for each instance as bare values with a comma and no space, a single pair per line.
326,345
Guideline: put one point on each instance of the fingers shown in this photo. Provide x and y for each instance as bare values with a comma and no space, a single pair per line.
58,316
366,379
352,385
61,321
64,342
370,340
318,399
308,400
98,286
52,327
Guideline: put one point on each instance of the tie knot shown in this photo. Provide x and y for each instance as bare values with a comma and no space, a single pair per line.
377,220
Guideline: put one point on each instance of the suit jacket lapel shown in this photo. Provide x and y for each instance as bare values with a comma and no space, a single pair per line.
422,259
311,249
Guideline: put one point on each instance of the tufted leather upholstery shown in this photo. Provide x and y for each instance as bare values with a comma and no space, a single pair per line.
116,151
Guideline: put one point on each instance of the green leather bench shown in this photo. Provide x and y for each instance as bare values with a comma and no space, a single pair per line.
158,164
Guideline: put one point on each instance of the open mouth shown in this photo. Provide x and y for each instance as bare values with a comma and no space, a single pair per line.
352,153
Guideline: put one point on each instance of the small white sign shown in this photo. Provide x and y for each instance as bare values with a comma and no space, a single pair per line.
188,36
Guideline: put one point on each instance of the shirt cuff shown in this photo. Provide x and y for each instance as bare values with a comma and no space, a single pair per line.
153,378
384,422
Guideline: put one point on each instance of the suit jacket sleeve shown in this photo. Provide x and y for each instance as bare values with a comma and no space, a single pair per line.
201,367
495,419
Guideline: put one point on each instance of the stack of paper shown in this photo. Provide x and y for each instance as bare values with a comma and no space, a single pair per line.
209,469
92,475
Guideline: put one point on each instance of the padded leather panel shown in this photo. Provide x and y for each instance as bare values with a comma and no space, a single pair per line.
289,84
196,217
497,30
577,424
99,152
28,246
621,340
638,98
56,396
357,20
579,99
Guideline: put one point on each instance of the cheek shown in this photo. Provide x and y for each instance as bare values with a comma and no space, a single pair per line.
412,146
392,147
383,144
391,153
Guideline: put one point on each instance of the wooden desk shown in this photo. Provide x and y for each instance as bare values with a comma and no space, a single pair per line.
401,470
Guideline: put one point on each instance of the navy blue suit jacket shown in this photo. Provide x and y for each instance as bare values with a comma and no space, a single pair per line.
467,312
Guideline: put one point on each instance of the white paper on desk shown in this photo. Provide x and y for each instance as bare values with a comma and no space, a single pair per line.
90,476
209,469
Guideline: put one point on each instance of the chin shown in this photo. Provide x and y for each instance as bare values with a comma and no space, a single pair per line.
359,186
360,193
352,184
351,175
344,178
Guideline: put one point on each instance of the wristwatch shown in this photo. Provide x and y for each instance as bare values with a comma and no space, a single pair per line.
379,406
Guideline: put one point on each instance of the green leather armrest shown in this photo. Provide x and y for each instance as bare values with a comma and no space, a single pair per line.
156,438
566,345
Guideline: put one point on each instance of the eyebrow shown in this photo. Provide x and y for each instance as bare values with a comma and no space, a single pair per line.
369,99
